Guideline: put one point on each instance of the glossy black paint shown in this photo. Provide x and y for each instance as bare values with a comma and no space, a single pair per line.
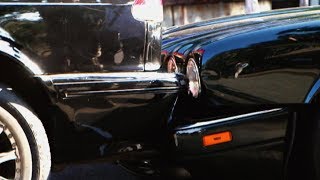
259,146
253,59
260,160
61,37
99,67
249,63
247,130
90,60
113,102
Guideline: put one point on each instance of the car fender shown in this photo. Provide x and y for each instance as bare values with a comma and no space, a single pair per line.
11,50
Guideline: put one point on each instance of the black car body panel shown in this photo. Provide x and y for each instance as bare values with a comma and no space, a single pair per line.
247,129
248,64
98,67
113,102
239,54
62,38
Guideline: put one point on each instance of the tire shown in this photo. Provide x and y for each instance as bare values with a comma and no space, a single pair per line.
26,135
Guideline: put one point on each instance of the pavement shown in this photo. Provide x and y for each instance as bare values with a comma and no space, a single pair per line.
103,171
98,171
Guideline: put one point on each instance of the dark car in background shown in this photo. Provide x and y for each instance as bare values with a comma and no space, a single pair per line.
89,81
254,83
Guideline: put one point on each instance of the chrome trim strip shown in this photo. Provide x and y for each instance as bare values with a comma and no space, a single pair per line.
232,118
87,84
109,77
122,91
153,46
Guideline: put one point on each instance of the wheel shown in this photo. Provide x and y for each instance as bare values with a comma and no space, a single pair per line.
24,147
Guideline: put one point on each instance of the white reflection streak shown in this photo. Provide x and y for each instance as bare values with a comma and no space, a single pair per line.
200,124
30,16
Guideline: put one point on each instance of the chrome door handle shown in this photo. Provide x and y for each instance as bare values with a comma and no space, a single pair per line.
239,68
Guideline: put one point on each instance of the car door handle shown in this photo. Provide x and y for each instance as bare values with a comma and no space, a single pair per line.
239,68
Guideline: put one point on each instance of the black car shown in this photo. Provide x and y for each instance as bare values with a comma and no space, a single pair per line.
253,106
86,81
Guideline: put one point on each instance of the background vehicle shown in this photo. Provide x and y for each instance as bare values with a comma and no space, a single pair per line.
254,80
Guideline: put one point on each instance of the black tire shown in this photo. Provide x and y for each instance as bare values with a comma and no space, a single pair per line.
27,137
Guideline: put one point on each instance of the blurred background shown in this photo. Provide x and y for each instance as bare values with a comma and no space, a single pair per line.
180,12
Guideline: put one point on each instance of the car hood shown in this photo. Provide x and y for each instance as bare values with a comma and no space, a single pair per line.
193,37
